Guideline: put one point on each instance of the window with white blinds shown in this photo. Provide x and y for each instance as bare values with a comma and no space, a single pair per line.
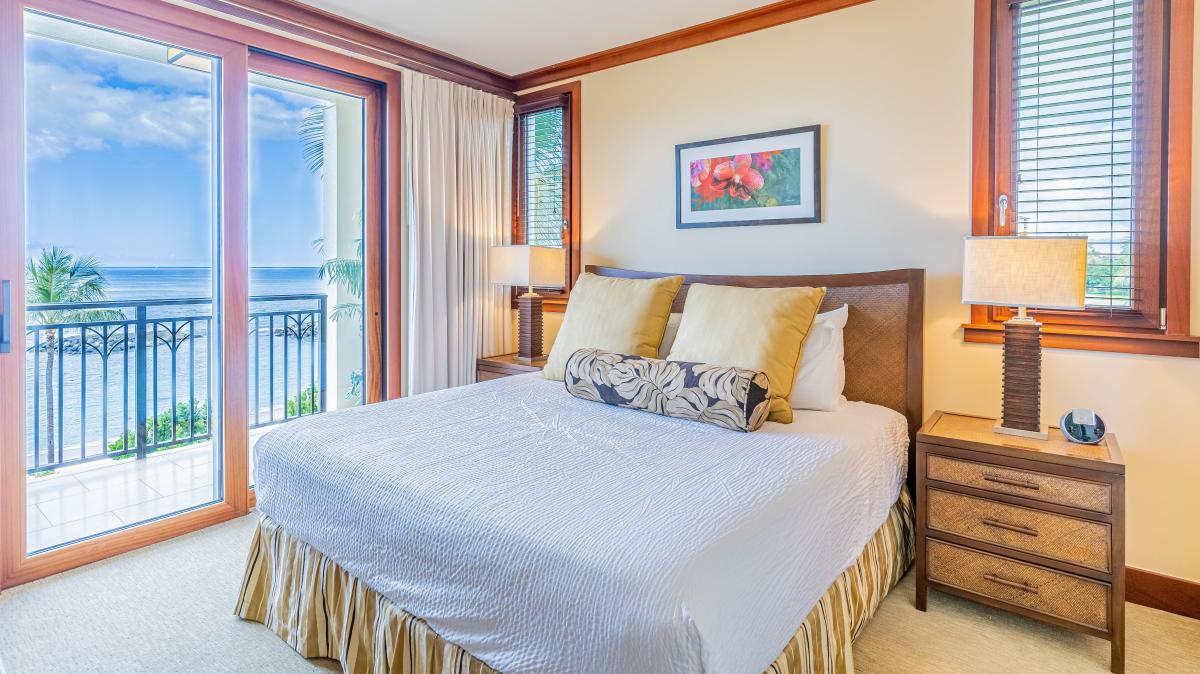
541,214
1074,87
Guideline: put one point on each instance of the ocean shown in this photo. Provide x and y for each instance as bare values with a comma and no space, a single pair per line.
84,370
135,283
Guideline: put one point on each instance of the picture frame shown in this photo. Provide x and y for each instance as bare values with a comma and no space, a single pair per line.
768,178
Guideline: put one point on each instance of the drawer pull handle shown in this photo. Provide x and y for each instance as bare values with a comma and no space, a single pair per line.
1024,484
1010,527
1024,587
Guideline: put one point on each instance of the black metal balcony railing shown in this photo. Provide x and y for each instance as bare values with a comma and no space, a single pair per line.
140,358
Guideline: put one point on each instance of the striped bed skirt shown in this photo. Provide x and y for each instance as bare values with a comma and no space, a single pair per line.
324,612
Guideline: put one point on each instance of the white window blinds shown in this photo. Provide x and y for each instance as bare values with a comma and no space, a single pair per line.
1075,79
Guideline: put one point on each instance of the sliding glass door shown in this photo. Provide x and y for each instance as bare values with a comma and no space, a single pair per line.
192,251
309,168
122,334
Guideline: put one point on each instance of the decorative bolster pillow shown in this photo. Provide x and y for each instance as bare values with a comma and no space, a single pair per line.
730,397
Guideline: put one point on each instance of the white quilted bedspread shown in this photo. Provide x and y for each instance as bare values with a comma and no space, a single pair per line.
544,533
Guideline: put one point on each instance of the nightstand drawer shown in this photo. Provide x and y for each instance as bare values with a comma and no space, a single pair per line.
1067,539
1062,595
1096,496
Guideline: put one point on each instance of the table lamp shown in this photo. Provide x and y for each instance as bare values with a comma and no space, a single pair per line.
526,267
1024,272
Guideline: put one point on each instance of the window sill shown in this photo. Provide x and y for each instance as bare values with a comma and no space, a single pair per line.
1083,339
550,305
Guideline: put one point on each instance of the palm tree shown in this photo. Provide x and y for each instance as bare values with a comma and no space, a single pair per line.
344,272
58,277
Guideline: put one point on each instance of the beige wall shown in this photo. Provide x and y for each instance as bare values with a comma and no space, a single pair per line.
890,81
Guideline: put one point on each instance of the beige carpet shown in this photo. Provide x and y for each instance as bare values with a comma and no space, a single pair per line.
168,608
956,635
163,609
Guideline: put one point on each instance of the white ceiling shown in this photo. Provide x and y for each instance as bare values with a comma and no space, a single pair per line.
516,36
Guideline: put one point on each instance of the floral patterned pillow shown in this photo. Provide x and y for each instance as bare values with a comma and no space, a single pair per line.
730,397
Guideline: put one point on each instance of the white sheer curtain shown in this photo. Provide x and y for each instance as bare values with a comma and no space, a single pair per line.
457,163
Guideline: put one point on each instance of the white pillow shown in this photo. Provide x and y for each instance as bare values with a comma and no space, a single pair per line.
821,376
669,335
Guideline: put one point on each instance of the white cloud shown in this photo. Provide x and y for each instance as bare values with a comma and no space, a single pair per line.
80,108
277,119
70,109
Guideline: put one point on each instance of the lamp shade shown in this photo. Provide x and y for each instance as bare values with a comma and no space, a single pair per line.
1025,271
526,266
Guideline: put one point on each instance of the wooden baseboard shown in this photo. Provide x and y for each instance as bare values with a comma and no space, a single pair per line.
1163,592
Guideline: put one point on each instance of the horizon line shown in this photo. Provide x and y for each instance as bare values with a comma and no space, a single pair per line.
138,266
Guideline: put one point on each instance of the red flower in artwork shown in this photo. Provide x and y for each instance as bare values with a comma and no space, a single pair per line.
738,176
702,181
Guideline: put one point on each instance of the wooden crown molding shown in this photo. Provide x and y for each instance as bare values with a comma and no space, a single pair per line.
307,22
311,23
767,16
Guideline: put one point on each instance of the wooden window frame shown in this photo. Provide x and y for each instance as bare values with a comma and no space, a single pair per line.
1141,329
566,96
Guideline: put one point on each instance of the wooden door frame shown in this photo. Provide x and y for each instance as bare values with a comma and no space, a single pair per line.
232,42
377,382
374,227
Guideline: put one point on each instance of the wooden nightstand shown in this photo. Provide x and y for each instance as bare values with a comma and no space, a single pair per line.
495,367
1036,527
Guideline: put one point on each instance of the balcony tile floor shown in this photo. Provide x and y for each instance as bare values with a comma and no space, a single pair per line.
91,499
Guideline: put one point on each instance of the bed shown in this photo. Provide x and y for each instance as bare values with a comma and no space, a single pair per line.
550,534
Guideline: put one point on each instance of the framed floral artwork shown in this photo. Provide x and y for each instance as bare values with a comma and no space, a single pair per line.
770,178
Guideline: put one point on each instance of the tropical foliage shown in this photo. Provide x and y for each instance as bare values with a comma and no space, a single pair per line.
58,277
158,429
312,138
346,273
755,180
1108,274
544,177
303,403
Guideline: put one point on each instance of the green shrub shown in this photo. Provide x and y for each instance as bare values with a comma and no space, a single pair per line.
124,446
160,428
301,404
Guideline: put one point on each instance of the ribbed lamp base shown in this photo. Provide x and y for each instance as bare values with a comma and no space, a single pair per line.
1022,410
529,328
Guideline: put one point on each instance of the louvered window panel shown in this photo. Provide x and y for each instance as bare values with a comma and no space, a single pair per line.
1074,87
544,148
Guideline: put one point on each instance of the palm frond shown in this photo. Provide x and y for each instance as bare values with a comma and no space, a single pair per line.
58,277
312,138
351,310
344,272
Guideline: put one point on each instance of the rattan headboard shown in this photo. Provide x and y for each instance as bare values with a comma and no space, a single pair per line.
883,335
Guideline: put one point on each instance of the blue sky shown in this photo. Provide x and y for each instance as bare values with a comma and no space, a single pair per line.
118,162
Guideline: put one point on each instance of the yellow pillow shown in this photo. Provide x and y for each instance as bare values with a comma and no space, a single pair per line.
621,315
759,329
